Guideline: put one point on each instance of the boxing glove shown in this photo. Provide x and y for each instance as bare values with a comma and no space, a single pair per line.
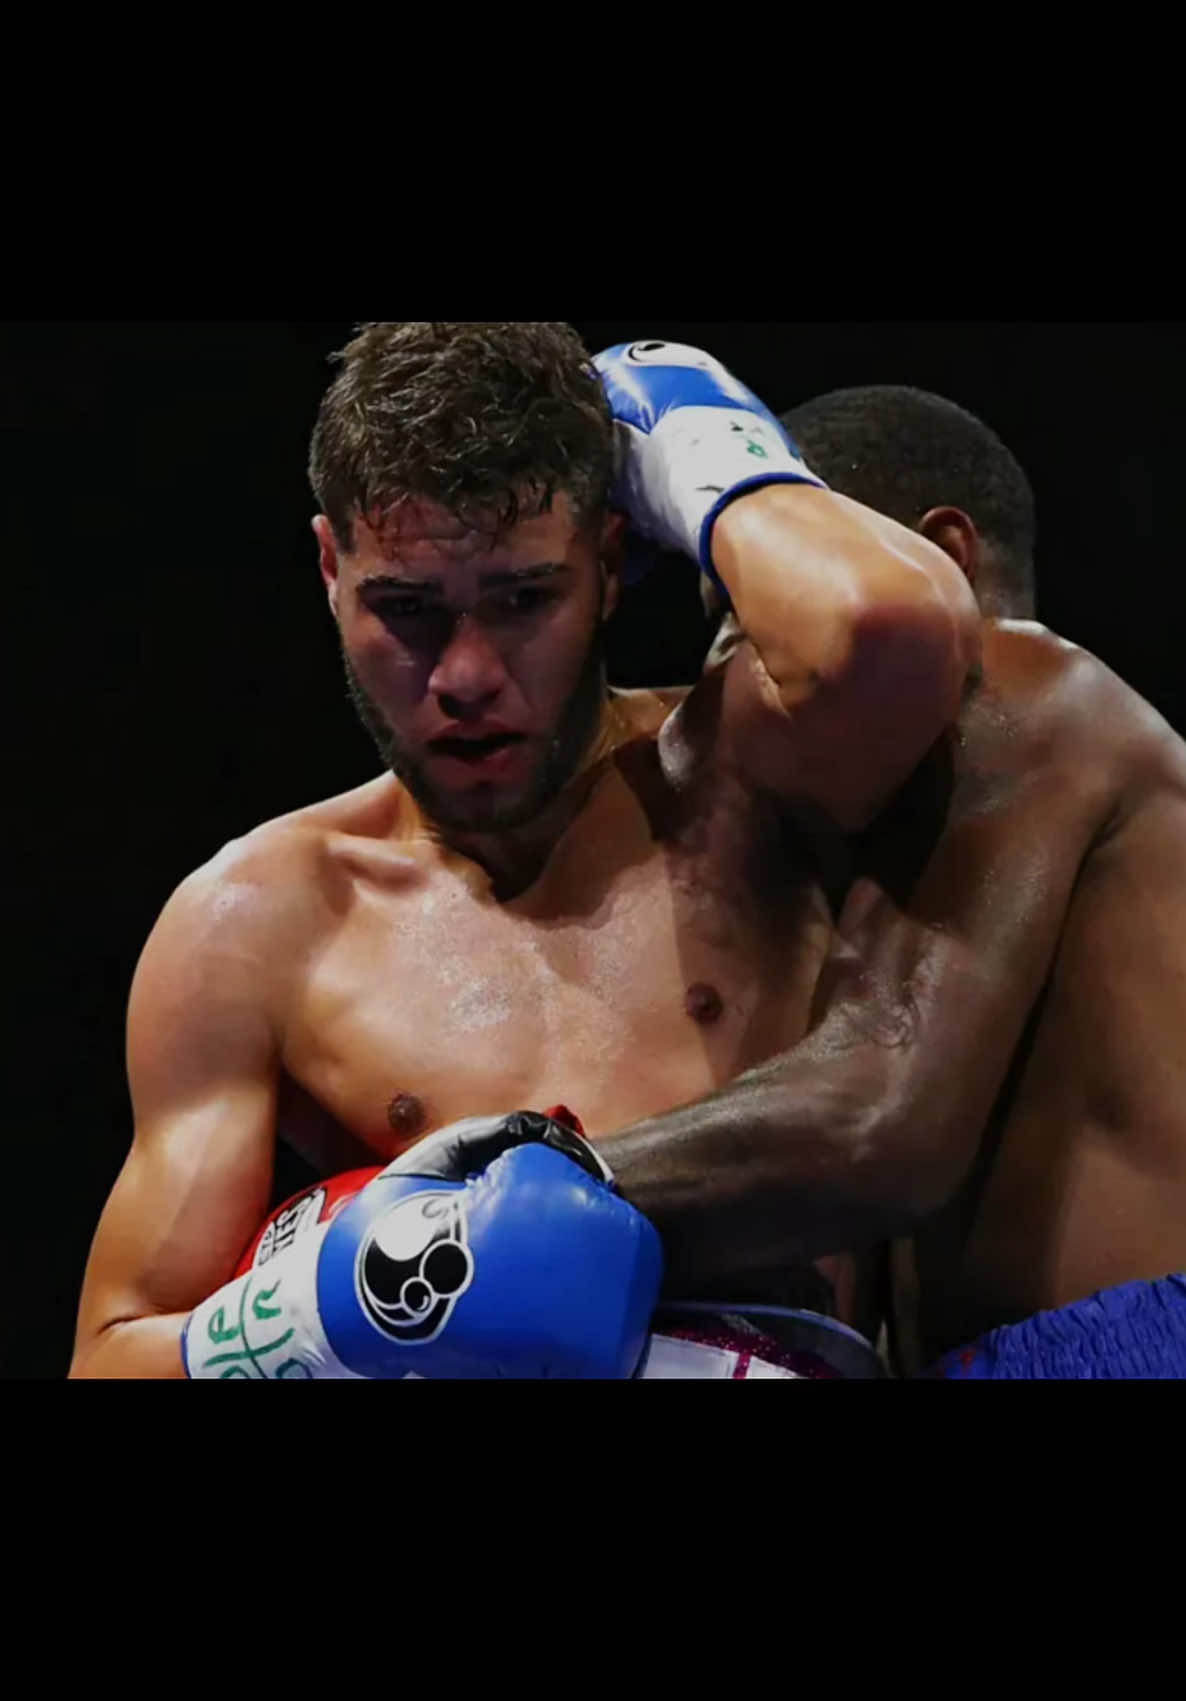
498,1247
690,439
687,1342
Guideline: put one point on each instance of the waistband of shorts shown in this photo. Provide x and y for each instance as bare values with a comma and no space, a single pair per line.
803,1344
1134,1332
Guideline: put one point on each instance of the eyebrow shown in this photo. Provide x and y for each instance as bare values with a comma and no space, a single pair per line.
486,581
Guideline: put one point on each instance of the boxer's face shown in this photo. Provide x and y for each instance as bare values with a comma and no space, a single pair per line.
476,665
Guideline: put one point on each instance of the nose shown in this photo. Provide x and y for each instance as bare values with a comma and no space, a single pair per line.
469,672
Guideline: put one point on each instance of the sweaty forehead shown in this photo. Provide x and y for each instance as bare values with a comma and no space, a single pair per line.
418,533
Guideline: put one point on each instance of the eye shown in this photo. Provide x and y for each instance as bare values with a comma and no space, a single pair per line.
527,599
400,607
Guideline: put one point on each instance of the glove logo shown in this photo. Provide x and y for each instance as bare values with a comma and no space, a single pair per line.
280,1233
670,354
414,1265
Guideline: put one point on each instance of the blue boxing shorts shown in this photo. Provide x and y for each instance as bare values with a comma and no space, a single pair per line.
1132,1333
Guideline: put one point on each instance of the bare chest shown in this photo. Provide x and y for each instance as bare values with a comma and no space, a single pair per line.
637,977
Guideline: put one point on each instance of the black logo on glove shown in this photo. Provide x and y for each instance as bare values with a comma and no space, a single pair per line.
280,1233
669,354
414,1265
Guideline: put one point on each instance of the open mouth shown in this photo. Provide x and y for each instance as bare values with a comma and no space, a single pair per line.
475,749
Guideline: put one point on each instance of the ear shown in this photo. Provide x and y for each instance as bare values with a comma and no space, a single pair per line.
711,601
328,562
725,641
612,542
956,535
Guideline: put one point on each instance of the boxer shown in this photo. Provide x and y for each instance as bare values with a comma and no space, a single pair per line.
551,889
1015,939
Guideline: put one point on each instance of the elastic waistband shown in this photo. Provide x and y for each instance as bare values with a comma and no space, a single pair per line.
709,1341
1135,1332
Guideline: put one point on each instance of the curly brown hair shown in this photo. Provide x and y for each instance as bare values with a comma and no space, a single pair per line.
488,420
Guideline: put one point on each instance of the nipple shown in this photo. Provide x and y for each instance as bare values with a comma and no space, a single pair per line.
406,1115
703,1003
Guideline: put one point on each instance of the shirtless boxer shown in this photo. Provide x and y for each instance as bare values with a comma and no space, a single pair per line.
1014,948
1009,957
554,893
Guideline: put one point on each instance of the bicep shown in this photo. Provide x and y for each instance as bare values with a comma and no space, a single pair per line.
202,1070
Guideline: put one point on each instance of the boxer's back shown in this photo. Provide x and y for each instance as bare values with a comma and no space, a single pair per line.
1080,1183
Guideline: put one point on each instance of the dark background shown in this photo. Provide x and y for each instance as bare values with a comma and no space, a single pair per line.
176,676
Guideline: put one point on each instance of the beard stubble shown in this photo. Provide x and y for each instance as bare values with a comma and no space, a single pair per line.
484,810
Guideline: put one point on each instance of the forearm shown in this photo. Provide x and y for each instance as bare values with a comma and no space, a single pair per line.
872,1122
861,1130
778,1169
142,1349
821,584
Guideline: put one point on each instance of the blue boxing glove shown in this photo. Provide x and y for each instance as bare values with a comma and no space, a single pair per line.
498,1247
690,439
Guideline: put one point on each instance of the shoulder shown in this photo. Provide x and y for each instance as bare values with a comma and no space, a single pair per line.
1060,684
646,710
1050,748
1045,681
268,887
1069,711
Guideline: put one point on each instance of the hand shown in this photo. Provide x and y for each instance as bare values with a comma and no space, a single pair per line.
690,439
466,1148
